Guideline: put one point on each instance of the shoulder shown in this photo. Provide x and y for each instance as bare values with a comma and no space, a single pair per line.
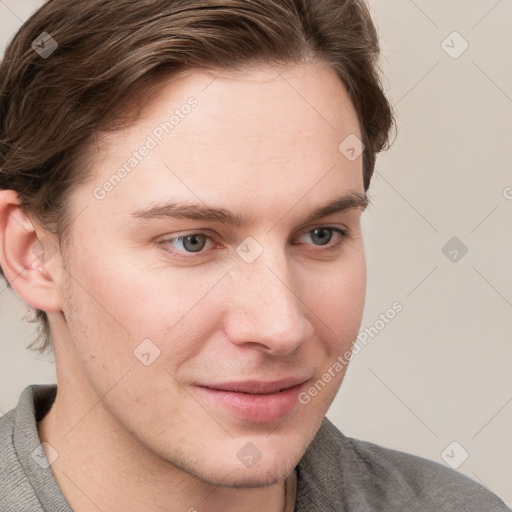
16,491
13,481
7,450
360,475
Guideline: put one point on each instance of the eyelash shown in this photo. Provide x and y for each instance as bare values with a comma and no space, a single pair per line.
343,234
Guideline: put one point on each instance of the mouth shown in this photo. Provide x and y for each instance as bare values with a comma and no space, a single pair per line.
255,401
257,387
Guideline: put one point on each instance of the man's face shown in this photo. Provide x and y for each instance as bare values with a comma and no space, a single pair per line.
153,320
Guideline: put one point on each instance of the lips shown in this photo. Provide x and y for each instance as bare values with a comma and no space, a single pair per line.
252,400
255,387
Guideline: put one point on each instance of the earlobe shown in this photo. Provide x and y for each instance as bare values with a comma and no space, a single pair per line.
28,260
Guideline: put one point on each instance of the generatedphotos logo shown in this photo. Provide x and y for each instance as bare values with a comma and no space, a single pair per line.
152,140
343,359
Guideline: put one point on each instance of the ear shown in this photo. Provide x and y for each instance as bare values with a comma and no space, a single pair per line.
29,256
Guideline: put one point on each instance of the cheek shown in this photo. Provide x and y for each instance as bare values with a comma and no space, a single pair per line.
128,304
106,331
337,296
131,295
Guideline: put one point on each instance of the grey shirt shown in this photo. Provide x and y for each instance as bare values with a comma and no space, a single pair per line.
336,474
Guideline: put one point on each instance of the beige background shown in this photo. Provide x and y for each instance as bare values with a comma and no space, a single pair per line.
438,372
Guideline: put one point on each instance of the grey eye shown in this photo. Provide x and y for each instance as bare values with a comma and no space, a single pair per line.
192,243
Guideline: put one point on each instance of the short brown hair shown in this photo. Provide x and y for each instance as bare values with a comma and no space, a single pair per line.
108,51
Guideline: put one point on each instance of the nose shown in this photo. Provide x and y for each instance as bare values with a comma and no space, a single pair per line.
265,308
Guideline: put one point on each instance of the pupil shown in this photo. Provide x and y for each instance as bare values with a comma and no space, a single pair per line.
195,246
323,240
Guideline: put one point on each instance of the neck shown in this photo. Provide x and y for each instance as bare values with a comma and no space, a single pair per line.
101,466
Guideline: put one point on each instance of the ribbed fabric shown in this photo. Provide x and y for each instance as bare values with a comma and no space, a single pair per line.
342,474
25,485
336,474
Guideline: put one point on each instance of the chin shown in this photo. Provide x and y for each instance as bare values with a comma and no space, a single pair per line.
230,472
237,478
277,455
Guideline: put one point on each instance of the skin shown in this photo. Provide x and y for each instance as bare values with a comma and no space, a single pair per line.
133,437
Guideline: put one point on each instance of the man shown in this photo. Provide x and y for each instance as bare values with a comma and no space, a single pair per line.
182,188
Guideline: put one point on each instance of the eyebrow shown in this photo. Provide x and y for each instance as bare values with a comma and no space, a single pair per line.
201,212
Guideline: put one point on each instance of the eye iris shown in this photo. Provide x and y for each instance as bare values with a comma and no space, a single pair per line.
196,242
195,246
323,239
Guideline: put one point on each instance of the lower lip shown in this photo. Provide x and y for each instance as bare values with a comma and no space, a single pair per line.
256,408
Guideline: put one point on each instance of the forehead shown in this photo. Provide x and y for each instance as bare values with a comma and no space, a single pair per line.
245,136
